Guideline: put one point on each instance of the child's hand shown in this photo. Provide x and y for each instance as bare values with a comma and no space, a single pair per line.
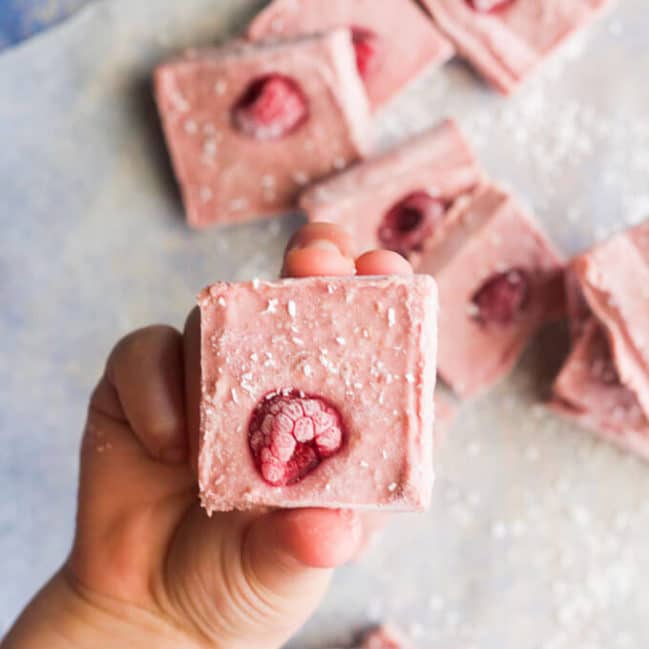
148,567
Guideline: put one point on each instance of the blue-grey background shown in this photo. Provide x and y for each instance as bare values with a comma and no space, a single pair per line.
538,535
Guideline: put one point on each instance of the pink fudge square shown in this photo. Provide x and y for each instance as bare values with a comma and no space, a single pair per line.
605,381
505,41
499,280
314,120
397,199
318,392
387,57
588,390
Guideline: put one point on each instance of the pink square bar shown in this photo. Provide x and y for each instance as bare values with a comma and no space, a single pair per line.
605,381
388,58
317,110
506,40
437,165
499,280
318,392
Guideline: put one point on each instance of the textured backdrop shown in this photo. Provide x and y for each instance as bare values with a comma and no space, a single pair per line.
538,535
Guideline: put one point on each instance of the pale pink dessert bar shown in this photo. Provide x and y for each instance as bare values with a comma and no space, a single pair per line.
605,381
394,39
249,125
505,40
499,280
318,392
398,199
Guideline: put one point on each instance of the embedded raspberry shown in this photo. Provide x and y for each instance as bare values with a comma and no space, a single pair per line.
272,107
502,299
366,46
291,433
488,6
409,223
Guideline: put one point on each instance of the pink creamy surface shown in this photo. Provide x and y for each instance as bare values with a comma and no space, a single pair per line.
365,345
588,389
439,162
226,176
614,279
486,234
401,53
505,45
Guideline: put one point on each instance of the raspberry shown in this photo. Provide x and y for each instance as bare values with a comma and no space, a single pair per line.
503,297
488,6
365,45
290,434
408,224
272,107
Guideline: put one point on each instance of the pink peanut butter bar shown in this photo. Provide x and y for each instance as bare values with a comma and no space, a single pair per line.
506,39
398,199
248,125
318,392
394,39
605,381
499,280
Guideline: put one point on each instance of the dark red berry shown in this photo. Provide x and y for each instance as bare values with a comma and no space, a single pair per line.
366,46
291,433
272,107
502,299
409,223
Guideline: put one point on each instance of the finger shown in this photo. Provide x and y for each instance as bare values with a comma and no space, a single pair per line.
145,371
319,249
285,550
382,262
192,354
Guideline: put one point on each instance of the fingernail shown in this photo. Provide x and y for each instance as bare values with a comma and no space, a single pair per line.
322,244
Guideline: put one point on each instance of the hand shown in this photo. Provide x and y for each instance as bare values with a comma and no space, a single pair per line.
148,567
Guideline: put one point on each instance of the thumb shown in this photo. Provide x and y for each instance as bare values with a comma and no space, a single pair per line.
289,554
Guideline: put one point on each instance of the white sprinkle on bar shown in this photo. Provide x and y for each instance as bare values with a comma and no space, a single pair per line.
220,87
364,464
271,307
205,194
255,283
306,368
384,454
233,394
238,204
392,318
341,341
291,308
268,181
221,300
191,127
392,487
300,178
298,341
410,378
472,310
340,163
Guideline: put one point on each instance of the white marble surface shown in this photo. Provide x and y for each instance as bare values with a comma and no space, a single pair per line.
539,535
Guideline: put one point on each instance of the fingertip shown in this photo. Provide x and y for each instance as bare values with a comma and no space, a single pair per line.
382,262
320,538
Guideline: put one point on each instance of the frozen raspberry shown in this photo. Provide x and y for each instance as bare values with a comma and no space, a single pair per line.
291,433
503,297
272,107
410,222
365,45
488,6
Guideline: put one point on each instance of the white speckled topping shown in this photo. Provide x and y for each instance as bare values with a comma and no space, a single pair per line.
258,339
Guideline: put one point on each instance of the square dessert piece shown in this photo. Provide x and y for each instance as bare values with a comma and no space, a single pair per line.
387,57
605,381
398,199
499,281
506,39
248,125
318,392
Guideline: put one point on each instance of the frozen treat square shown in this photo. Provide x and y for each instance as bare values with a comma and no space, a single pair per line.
604,383
506,39
398,199
318,392
499,281
387,58
248,125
